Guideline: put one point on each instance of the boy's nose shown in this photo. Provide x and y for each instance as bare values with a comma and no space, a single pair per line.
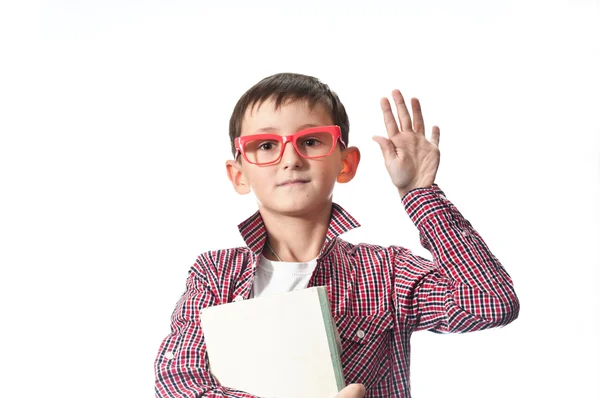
290,158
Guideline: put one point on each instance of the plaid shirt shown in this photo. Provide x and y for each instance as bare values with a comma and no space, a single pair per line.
379,296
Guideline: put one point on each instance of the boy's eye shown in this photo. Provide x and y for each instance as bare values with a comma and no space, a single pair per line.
266,145
310,142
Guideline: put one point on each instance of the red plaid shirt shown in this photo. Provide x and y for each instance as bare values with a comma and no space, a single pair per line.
379,296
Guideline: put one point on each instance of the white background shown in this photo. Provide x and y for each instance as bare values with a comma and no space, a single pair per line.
114,135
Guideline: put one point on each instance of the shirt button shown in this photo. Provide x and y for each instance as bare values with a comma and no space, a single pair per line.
169,355
465,233
360,334
238,298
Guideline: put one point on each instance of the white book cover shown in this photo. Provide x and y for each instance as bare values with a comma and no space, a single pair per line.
280,346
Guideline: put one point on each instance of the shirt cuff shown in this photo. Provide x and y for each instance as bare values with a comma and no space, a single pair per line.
422,203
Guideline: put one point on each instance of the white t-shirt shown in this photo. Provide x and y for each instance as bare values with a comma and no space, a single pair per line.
274,277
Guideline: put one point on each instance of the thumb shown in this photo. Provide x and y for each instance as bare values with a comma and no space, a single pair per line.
352,391
387,147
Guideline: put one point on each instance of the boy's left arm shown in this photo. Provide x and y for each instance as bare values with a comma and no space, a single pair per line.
465,287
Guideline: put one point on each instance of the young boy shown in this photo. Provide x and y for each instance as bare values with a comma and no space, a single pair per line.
289,137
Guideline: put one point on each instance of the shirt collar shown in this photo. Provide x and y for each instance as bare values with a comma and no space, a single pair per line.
255,234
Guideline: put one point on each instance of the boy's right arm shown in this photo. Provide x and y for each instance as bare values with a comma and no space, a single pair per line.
181,366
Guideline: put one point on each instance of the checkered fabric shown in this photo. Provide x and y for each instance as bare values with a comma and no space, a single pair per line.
379,296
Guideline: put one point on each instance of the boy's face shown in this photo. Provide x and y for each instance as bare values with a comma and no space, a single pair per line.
312,180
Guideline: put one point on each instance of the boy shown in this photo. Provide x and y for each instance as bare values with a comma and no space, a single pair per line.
289,136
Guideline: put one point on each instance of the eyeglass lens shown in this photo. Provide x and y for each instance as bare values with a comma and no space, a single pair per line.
312,145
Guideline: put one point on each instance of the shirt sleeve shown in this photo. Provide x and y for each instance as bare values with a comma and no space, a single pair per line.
181,366
464,288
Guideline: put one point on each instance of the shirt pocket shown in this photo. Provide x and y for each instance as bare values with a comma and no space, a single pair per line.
365,347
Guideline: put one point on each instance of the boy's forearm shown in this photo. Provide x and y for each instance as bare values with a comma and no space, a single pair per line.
455,246
181,366
177,377
165,388
188,375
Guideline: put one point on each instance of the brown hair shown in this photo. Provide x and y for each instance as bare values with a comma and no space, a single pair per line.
293,87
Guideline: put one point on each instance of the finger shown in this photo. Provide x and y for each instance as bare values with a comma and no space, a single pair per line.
358,390
388,118
352,391
435,136
418,123
403,115
361,390
387,147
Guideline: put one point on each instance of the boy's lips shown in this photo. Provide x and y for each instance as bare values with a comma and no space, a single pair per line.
292,182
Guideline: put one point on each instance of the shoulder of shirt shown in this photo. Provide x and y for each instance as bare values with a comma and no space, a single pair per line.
383,257
217,262
353,249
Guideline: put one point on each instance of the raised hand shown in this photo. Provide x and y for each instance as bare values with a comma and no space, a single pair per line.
410,158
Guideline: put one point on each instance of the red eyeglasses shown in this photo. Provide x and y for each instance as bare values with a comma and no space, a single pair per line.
311,143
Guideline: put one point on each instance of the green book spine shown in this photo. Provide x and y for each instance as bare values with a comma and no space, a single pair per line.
330,330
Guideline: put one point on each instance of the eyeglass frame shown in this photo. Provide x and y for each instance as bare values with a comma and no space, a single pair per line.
334,130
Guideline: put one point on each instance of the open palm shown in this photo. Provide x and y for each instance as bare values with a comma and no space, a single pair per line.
410,158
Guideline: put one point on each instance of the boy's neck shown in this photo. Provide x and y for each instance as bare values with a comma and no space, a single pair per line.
296,239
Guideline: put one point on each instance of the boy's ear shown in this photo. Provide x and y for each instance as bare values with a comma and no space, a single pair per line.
236,176
350,161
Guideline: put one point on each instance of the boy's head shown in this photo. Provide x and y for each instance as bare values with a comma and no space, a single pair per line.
284,88
297,182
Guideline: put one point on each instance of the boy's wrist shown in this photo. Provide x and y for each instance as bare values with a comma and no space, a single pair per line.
403,192
421,203
423,184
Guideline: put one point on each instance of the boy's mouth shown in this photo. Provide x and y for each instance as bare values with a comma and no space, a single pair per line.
292,182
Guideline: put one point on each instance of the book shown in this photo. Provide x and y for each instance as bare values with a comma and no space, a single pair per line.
279,346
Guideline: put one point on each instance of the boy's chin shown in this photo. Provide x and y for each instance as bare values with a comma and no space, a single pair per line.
301,205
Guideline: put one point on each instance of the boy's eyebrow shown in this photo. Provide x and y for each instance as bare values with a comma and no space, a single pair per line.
270,129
